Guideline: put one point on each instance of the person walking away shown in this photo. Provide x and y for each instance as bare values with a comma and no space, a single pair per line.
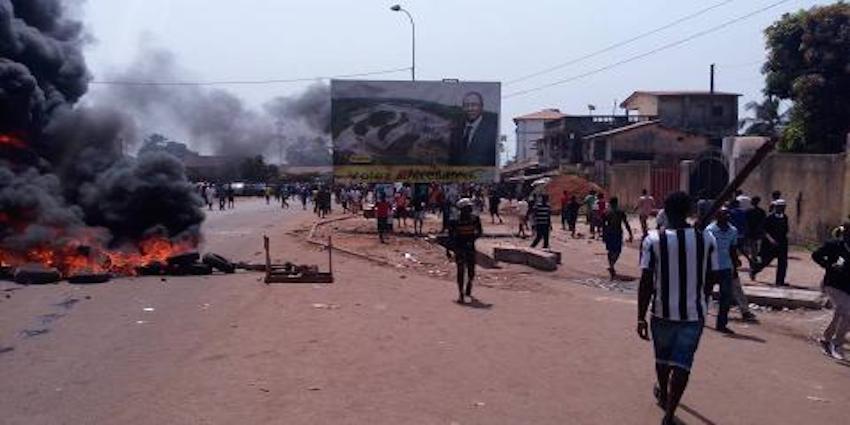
703,205
268,192
382,213
726,236
834,257
738,217
284,197
572,214
661,220
774,196
222,198
401,208
463,232
589,207
677,293
613,223
542,221
231,197
775,243
212,196
645,206
522,217
755,218
493,204
419,206
565,200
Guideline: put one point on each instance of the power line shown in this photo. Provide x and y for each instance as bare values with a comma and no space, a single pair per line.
242,82
649,53
621,43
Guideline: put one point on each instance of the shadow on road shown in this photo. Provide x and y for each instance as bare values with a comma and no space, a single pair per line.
477,304
703,420
746,338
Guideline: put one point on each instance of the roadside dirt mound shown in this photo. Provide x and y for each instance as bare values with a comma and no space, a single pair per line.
574,185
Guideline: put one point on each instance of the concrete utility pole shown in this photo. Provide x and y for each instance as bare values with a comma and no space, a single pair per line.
711,82
398,8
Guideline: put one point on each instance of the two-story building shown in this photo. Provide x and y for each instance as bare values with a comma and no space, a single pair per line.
562,141
529,129
711,114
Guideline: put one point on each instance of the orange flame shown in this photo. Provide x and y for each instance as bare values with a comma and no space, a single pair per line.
84,257
12,140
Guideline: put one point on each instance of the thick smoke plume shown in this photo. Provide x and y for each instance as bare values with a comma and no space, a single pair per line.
65,182
214,120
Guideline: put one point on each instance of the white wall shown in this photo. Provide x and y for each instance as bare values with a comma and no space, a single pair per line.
527,132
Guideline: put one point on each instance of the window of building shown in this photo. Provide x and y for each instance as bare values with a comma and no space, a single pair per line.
717,111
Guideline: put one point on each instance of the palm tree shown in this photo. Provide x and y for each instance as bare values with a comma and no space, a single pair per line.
766,119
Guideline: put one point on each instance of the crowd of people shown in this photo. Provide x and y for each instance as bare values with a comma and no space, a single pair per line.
696,246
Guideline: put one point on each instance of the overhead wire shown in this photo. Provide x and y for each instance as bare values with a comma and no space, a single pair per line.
621,43
650,52
243,82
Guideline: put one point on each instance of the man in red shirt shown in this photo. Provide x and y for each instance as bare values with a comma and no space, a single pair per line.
382,213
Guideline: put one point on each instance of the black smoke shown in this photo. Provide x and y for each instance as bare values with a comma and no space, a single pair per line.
72,180
213,119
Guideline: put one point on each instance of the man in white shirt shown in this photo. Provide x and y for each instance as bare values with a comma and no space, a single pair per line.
678,263
522,216
645,206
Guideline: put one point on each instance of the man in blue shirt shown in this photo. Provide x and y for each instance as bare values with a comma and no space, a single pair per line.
726,236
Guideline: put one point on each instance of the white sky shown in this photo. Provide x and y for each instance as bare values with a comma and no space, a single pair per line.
489,40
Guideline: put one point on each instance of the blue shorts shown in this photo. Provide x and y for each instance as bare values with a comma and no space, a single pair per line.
675,342
613,242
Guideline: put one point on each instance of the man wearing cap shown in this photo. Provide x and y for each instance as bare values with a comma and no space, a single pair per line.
463,231
775,243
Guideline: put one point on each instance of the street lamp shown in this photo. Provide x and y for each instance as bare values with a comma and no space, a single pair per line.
398,8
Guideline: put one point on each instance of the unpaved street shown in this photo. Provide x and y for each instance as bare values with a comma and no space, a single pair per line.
382,345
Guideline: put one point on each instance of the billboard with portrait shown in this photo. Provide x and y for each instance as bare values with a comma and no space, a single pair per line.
415,131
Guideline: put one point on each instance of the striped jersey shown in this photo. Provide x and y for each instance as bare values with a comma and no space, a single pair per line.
680,260
542,214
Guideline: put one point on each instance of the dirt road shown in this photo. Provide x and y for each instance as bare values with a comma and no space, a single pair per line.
380,346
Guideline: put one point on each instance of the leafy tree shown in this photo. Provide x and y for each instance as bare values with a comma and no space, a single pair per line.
809,63
766,119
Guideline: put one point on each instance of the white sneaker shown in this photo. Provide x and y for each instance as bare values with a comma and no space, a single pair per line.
836,352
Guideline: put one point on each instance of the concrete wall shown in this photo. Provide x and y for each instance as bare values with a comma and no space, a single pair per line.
656,143
527,133
627,180
815,187
695,113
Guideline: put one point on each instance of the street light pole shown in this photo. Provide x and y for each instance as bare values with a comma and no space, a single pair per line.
398,8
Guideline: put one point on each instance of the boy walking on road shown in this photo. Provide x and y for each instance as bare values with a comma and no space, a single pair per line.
542,221
645,205
677,262
613,223
463,232
726,236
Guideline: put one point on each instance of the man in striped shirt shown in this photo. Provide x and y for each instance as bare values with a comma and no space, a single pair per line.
542,221
678,262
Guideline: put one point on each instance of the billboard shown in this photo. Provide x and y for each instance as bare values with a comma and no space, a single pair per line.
415,131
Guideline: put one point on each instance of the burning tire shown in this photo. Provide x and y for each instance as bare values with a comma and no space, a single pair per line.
152,269
219,263
196,269
184,259
36,274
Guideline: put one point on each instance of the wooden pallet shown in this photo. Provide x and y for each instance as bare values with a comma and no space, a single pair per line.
291,273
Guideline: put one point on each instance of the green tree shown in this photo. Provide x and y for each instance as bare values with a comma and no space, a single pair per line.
809,63
766,120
